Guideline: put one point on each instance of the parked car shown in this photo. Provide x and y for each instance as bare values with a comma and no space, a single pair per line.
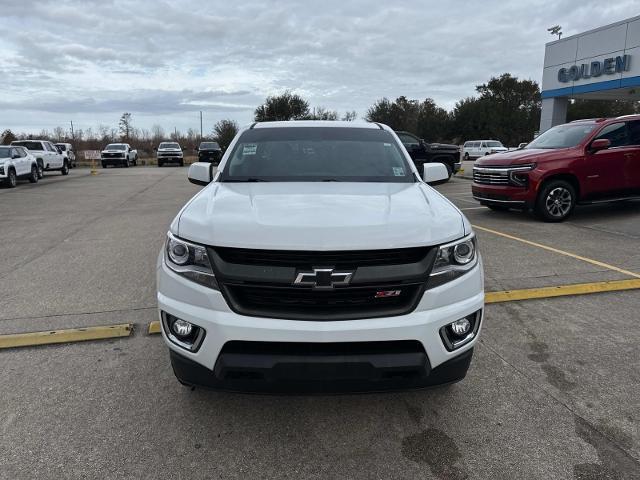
209,152
422,152
318,259
67,149
588,161
479,148
16,162
119,154
170,152
47,156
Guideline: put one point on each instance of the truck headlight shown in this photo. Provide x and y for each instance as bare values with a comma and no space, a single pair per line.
189,260
519,176
454,260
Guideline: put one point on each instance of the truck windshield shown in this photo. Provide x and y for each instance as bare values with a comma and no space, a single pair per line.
562,136
209,146
494,144
115,146
317,154
169,145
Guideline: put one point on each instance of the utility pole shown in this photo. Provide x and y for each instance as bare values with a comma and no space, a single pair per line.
175,133
200,125
72,136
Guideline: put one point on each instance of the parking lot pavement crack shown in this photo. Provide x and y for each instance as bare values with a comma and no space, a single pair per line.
617,453
77,314
85,225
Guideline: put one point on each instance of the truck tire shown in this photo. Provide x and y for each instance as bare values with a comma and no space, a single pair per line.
126,163
65,168
555,201
33,178
12,178
40,168
159,164
104,165
466,157
182,163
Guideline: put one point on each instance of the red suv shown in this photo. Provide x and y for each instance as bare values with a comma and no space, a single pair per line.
585,161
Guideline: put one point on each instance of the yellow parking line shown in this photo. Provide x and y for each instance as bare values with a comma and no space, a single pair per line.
562,290
561,252
30,339
154,327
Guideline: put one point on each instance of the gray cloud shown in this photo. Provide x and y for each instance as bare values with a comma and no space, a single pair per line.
97,58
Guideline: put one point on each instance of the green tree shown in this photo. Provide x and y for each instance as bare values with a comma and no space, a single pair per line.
580,108
224,131
124,126
424,119
288,106
512,107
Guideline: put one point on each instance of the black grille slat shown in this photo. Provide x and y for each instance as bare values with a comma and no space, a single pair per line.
308,304
304,258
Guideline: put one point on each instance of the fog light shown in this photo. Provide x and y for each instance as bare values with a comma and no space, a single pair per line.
182,328
461,327
456,334
182,333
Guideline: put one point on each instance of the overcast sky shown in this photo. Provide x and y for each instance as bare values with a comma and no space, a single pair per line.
89,61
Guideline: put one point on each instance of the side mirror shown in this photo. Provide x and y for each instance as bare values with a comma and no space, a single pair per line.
435,172
200,173
600,144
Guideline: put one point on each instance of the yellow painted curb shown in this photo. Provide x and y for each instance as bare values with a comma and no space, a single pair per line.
154,327
14,340
562,290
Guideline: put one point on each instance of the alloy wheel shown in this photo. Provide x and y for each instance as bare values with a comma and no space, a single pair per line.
558,202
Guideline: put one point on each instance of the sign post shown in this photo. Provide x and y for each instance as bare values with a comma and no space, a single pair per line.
92,155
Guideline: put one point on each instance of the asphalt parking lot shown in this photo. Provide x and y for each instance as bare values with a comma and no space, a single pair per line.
553,390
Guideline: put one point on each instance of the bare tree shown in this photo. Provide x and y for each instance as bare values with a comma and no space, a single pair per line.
124,125
349,116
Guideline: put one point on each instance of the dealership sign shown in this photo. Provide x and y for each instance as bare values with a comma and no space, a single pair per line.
608,66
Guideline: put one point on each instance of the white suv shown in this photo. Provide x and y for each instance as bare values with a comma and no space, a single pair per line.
479,148
16,162
317,259
47,155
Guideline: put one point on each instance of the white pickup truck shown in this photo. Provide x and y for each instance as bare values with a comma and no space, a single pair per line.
315,259
120,154
47,155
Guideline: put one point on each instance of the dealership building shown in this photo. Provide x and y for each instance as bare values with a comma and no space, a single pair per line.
600,64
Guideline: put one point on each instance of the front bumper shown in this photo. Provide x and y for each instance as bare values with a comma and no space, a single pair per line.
208,309
503,195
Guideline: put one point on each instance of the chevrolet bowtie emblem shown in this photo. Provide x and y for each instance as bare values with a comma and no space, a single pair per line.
323,278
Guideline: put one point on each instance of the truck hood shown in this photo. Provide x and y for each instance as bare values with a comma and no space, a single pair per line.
518,157
319,216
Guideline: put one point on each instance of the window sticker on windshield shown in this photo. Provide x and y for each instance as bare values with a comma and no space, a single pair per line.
387,145
398,171
249,149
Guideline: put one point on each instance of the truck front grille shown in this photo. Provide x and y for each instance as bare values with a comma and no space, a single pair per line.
488,176
260,283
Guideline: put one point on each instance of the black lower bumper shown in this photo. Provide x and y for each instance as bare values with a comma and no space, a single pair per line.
269,372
